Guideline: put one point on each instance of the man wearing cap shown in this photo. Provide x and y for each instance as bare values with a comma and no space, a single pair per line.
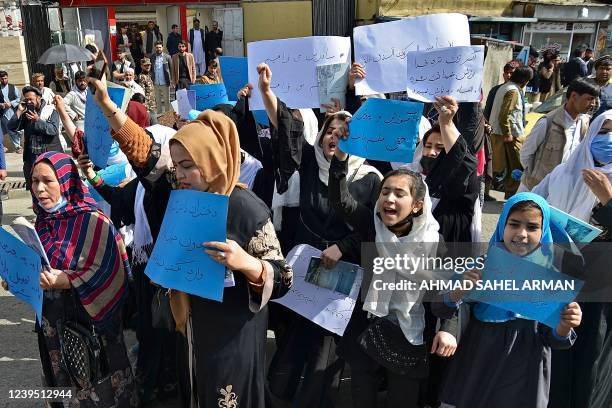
603,78
146,83
40,124
160,73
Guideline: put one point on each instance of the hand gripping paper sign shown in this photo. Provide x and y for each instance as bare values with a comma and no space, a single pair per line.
384,130
455,71
382,48
524,287
326,297
178,260
294,62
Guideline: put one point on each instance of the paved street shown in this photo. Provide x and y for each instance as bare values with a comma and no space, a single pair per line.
19,362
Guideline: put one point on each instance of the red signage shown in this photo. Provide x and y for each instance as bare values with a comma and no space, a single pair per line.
99,3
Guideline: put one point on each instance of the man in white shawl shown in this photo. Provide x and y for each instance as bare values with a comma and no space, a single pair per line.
565,188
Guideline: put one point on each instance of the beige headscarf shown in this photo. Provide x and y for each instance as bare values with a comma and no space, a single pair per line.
212,142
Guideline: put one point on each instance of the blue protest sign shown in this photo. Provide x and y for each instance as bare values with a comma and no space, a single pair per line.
208,96
20,268
261,117
97,129
520,286
235,73
113,175
178,260
578,230
384,130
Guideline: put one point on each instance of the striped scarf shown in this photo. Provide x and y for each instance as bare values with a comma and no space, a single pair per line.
81,241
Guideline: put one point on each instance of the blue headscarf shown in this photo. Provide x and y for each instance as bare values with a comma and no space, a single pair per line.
543,256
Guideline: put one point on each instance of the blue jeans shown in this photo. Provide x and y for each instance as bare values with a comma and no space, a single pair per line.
13,135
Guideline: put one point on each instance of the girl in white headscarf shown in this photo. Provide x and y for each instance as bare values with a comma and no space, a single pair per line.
303,160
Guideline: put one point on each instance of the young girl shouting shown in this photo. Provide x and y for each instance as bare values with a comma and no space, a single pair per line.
503,360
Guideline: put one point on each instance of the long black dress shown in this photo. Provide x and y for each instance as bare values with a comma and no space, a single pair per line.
453,181
156,363
582,376
229,337
303,345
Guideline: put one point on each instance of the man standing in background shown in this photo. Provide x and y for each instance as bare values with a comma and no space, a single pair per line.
183,68
9,99
151,36
173,40
196,42
76,99
160,74
214,39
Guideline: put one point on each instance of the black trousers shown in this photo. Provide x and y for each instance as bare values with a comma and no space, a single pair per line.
309,350
366,378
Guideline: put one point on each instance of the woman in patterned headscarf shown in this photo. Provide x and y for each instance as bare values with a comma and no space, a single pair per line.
86,282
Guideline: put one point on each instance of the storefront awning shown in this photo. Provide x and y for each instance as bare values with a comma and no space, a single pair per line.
504,19
406,8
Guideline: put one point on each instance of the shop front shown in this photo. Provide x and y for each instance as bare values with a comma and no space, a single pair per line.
106,17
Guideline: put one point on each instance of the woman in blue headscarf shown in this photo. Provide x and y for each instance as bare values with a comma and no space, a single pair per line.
508,355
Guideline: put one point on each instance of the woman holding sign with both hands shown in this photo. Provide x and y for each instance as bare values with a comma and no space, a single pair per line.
229,336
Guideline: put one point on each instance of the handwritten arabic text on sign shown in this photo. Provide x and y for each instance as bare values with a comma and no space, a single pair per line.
293,62
20,268
382,48
455,71
209,96
328,308
384,130
178,260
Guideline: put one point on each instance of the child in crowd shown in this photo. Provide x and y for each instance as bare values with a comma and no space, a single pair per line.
509,356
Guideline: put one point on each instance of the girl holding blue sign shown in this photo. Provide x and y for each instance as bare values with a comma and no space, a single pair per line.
509,355
229,336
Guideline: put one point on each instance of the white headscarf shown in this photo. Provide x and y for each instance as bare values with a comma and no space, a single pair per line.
291,198
405,303
143,240
249,169
564,187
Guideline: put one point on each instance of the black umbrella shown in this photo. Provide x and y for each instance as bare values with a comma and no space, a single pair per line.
64,53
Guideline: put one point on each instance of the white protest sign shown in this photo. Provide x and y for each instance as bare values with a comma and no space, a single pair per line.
294,62
330,309
455,71
382,48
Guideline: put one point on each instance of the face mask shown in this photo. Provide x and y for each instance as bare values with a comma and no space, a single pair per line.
60,204
427,163
601,148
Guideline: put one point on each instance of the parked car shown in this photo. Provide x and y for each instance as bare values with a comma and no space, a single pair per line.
548,105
